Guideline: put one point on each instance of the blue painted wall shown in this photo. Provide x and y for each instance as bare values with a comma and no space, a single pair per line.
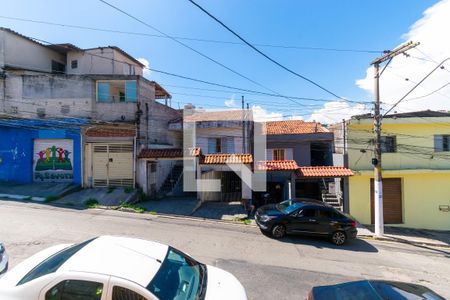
17,142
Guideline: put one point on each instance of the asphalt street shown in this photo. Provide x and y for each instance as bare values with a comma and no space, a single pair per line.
268,268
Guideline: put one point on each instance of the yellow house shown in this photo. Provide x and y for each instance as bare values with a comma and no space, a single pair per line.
416,169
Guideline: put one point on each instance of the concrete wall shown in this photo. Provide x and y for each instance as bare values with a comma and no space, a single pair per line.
102,61
422,194
17,153
158,125
19,52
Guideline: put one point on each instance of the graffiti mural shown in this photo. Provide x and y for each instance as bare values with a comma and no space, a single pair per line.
52,160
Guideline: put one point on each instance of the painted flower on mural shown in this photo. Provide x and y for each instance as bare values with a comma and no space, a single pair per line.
53,158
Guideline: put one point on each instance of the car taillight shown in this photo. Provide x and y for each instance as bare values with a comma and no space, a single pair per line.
354,224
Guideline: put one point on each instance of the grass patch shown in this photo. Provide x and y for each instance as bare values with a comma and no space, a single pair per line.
28,198
91,203
152,212
134,207
245,221
111,189
51,198
128,190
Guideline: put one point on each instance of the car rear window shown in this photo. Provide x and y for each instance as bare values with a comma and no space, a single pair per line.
52,263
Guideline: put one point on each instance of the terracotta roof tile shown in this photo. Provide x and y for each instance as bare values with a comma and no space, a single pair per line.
168,153
110,132
222,158
293,127
323,171
276,165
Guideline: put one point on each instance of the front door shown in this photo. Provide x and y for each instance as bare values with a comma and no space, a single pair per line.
392,200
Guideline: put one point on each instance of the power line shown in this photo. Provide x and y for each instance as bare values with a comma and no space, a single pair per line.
263,54
190,38
194,50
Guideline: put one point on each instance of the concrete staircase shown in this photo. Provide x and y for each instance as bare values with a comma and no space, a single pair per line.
171,181
333,199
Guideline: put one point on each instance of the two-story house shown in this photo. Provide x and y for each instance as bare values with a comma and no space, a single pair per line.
415,168
72,105
217,137
300,162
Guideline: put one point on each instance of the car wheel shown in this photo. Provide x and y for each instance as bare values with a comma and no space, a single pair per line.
278,231
338,238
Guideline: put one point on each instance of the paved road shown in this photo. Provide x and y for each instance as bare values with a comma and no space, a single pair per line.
269,269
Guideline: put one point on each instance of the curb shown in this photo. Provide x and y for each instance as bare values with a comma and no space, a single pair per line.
402,241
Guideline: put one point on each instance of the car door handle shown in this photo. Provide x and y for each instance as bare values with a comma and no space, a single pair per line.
312,220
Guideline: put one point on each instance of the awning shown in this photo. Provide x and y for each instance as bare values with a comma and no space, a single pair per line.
222,158
276,165
323,171
169,153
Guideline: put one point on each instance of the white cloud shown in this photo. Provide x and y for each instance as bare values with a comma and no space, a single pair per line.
261,115
431,32
146,63
333,112
231,102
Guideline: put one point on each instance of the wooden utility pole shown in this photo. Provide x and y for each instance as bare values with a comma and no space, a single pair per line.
376,161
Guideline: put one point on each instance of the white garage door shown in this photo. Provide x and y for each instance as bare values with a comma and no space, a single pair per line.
112,164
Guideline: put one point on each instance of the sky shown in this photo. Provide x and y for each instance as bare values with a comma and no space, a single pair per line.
293,26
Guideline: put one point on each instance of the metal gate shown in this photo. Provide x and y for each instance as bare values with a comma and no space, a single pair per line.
112,164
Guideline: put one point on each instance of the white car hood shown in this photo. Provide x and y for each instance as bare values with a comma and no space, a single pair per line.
223,285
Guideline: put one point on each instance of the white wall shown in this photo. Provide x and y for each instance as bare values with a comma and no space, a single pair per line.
102,61
22,53
202,135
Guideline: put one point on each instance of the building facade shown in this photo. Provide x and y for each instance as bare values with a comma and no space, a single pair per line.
416,169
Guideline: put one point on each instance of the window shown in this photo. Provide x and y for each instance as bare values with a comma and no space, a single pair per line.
442,143
120,293
58,67
278,154
308,213
76,289
179,277
117,91
325,213
388,144
52,263
74,64
214,145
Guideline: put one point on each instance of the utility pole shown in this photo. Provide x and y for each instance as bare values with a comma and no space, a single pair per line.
376,161
243,126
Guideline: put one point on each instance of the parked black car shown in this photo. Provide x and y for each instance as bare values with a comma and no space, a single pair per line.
309,217
373,290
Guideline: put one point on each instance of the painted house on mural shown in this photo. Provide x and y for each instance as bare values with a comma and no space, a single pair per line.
219,136
300,162
416,169
97,93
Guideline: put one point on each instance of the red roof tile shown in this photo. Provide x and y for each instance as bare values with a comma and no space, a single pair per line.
168,153
293,127
323,171
110,132
221,158
276,165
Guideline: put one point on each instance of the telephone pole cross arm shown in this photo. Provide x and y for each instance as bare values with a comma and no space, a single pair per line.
376,161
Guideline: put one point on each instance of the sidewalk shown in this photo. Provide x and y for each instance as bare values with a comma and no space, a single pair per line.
35,191
408,235
103,196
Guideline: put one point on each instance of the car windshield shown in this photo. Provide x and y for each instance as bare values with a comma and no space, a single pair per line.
288,206
52,263
179,277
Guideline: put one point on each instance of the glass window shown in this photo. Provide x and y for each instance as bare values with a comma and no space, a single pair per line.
441,143
103,91
75,290
325,213
308,213
179,277
289,206
52,263
130,91
278,154
388,144
74,64
214,145
120,293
